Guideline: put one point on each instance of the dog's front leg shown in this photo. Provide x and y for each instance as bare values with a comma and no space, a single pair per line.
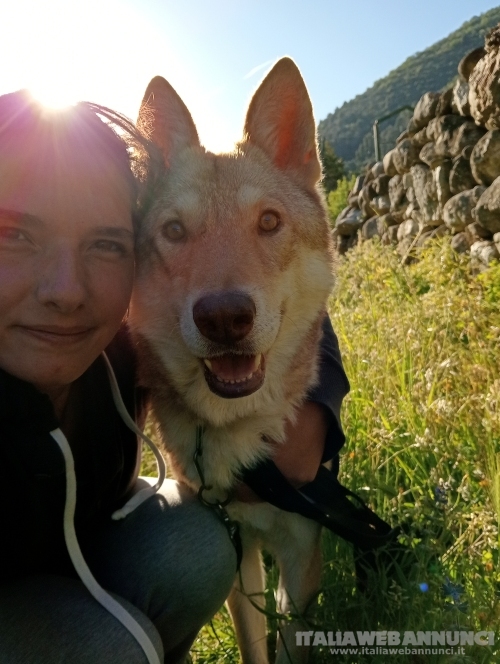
300,563
248,590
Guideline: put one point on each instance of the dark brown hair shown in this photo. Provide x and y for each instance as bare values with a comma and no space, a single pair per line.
27,125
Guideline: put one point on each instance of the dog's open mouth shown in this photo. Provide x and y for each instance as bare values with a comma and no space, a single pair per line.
232,376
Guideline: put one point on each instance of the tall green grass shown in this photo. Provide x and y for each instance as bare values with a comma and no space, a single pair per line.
420,345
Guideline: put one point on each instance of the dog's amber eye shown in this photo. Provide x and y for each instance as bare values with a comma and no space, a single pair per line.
269,221
173,230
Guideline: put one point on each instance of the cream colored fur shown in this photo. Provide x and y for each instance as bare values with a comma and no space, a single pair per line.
218,199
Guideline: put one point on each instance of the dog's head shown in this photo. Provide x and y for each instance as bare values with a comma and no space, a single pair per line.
234,256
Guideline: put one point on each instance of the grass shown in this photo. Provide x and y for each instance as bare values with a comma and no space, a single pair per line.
420,345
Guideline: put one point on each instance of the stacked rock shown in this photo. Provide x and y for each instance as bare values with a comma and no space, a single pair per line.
443,175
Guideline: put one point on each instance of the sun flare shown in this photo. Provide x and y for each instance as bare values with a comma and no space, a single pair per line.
52,96
77,52
102,51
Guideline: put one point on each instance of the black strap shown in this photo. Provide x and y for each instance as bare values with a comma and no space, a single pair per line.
324,500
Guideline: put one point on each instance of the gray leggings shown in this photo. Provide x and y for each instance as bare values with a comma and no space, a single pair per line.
170,563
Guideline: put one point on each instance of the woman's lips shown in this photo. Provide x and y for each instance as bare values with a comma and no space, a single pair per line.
57,334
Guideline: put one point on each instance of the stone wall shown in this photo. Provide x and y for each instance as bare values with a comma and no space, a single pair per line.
443,175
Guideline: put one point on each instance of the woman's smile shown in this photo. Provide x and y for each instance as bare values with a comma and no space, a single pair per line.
58,335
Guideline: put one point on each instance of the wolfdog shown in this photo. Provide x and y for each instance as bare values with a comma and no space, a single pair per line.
234,271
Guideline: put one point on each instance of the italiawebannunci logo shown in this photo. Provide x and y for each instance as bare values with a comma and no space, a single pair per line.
393,638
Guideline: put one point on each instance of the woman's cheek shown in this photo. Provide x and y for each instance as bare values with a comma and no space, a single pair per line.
113,285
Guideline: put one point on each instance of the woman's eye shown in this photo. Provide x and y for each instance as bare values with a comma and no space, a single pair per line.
111,247
269,221
13,234
173,230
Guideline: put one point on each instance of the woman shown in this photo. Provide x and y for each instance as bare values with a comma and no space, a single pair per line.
67,214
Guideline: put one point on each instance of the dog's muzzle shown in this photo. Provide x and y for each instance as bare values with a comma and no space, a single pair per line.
225,319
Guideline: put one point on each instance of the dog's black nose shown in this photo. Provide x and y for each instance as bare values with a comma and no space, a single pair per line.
225,317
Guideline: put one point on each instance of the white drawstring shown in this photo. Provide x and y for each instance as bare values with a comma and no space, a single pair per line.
75,553
143,494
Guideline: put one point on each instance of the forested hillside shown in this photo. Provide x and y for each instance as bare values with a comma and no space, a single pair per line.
349,128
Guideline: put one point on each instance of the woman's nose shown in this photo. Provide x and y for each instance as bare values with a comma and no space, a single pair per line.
62,281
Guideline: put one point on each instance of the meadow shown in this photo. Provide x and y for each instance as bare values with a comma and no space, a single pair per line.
420,346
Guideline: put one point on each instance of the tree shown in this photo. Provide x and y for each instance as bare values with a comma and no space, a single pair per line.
337,199
333,166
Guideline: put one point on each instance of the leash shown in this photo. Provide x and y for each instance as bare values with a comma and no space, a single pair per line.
324,500
335,507
217,506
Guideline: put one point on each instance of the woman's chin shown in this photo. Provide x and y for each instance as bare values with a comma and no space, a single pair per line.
48,372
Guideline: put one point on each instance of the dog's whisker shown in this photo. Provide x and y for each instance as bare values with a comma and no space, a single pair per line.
291,321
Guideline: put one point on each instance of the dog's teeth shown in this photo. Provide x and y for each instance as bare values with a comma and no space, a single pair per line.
256,366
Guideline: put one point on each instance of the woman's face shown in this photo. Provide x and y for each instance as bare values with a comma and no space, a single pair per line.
66,262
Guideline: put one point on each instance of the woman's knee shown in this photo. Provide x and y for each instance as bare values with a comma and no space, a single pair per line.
172,558
171,543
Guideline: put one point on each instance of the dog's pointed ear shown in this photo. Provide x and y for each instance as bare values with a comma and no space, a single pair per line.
165,120
280,121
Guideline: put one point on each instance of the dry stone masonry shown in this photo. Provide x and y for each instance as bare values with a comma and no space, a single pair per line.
443,175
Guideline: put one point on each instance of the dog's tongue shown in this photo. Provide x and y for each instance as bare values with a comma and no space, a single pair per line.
234,367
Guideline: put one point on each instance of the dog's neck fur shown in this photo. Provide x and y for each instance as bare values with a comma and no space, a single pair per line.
226,449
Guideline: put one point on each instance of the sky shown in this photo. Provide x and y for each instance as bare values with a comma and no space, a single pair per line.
214,52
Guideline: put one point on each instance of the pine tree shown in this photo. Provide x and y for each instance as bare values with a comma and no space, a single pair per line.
333,166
